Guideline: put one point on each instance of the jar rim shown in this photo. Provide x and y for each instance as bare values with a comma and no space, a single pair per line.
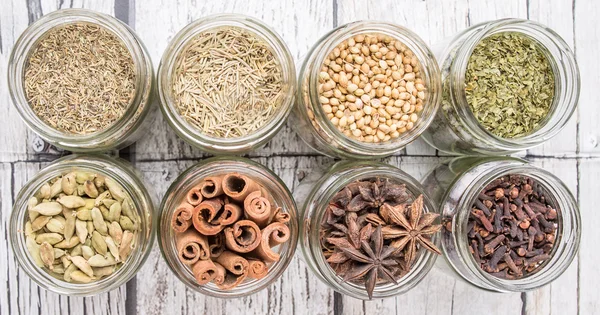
191,177
143,79
314,211
131,183
192,134
566,243
565,71
429,67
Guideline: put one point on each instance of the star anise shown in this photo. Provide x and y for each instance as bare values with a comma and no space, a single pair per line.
409,228
373,264
375,194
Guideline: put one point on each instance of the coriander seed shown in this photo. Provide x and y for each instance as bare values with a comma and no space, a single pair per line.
371,89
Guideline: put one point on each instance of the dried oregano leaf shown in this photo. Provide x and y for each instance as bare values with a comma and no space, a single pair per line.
509,84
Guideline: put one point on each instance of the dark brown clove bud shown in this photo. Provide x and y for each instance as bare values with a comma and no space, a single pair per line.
483,219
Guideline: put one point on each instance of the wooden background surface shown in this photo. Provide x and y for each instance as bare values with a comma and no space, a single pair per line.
161,156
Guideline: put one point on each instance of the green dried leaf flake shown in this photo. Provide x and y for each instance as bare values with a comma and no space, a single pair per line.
509,84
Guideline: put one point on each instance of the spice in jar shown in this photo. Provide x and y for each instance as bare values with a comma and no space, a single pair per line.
81,227
373,230
227,82
512,227
371,88
79,78
509,84
226,229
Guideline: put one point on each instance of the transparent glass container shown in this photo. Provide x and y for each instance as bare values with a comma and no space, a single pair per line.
310,121
313,195
191,134
218,166
124,174
123,132
455,185
455,129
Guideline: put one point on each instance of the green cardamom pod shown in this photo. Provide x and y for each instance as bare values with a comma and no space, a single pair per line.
71,201
29,231
83,265
58,253
34,250
126,246
126,223
45,191
104,211
70,218
48,208
52,238
99,260
31,203
68,271
81,177
87,252
98,243
70,243
90,189
98,221
101,197
90,227
115,231
115,189
55,189
76,251
81,230
54,225
84,215
69,184
112,247
99,181
39,223
103,271
80,190
47,254
108,202
127,208
115,212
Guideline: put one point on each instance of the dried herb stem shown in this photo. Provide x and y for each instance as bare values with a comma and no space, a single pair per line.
227,83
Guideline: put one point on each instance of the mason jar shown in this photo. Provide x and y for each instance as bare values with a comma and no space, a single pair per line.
124,131
311,122
191,134
128,178
454,187
314,194
455,129
214,167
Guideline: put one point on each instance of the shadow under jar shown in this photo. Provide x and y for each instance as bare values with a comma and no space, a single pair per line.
376,112
125,127
271,94
457,187
456,129
317,193
142,211
177,197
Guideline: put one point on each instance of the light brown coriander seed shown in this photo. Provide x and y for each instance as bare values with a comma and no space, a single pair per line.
375,92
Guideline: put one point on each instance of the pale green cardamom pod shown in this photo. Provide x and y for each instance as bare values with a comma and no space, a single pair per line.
76,251
71,201
69,270
99,181
90,227
45,191
102,196
72,242
126,223
71,217
28,230
31,203
55,226
108,202
80,190
66,262
112,247
90,189
99,260
39,223
58,253
98,220
52,238
47,254
127,208
48,208
126,245
115,231
81,230
85,215
81,177
55,189
87,252
83,265
104,211
103,271
115,212
98,243
115,189
34,250
69,184
59,269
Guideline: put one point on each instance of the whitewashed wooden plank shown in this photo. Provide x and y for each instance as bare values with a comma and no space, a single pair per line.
297,291
13,20
299,22
587,51
23,295
558,15
560,297
589,273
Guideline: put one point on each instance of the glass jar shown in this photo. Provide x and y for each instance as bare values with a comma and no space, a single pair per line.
214,167
124,174
122,132
191,134
455,185
456,130
314,194
310,121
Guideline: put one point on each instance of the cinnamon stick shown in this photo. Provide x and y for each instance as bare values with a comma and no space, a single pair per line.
219,278
230,214
231,281
182,217
238,186
243,237
212,186
257,269
216,246
257,208
204,271
191,247
203,215
193,196
234,263
281,217
273,235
